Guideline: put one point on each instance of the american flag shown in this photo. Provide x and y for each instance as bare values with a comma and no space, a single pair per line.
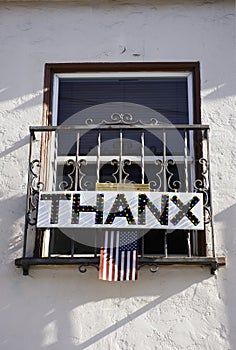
119,256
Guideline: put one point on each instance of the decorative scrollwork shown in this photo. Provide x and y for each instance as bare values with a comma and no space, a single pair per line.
154,121
35,164
121,168
82,268
125,162
121,118
34,197
87,186
116,163
67,185
172,185
156,184
34,169
73,174
153,269
31,216
82,184
201,185
89,121
164,167
33,191
204,163
207,214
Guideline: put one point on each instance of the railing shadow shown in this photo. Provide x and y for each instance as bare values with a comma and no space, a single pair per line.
72,306
226,221
15,146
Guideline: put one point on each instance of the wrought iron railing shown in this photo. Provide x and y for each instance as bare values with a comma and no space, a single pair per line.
185,167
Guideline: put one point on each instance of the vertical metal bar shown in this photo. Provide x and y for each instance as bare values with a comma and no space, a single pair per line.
77,151
186,160
120,156
164,161
142,166
187,185
142,156
98,179
28,195
189,244
54,179
98,155
76,161
95,242
210,195
142,246
165,245
72,247
165,186
51,242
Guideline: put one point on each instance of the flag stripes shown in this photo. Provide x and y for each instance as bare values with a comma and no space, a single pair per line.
119,256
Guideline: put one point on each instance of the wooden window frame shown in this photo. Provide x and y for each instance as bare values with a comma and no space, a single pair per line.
55,68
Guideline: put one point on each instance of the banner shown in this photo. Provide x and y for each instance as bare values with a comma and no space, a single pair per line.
112,209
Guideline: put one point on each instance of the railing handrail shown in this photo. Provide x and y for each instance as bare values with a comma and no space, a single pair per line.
119,126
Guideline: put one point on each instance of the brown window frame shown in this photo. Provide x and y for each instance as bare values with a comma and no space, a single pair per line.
54,68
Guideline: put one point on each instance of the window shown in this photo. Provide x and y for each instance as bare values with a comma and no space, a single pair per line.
122,123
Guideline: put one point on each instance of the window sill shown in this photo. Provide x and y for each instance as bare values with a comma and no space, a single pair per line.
213,263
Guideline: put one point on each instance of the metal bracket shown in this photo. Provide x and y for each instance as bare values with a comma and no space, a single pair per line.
153,269
214,267
82,267
25,268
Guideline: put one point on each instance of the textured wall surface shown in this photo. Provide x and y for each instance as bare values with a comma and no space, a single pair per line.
176,308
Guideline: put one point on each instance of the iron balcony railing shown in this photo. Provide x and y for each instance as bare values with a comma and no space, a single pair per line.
166,157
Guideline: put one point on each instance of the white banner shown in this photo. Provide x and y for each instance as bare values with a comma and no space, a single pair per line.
101,209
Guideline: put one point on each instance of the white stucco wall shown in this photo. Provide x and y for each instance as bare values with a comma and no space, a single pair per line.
176,308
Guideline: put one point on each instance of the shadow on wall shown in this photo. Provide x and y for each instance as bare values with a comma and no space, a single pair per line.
12,212
226,219
15,146
67,310
27,99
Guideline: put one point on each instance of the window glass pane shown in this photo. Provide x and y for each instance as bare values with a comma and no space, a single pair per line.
110,142
167,96
131,143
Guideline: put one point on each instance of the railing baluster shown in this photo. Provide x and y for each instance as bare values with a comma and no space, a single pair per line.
98,155
142,155
55,170
142,165
120,156
186,159
189,243
187,185
77,161
164,161
165,185
142,246
72,248
51,242
95,242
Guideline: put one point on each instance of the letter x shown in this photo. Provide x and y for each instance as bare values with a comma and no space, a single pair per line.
185,210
